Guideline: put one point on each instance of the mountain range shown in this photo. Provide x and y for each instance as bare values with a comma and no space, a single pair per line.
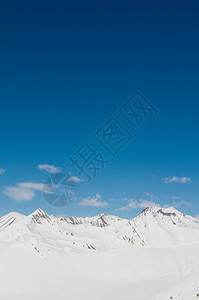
153,227
152,256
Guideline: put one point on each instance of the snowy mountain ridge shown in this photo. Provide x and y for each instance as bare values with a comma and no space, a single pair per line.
154,226
152,256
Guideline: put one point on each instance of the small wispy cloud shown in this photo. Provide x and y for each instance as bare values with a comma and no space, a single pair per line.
143,203
178,204
75,179
147,203
23,191
119,199
49,168
135,204
158,198
31,185
2,171
147,194
176,179
95,201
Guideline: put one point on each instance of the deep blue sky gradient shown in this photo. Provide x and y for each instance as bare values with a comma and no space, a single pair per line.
66,66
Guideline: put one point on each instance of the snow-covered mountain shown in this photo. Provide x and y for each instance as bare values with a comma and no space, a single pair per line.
153,227
154,256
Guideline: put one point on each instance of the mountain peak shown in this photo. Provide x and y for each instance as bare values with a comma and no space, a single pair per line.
39,214
161,210
39,211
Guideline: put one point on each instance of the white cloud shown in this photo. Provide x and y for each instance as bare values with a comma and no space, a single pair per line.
19,194
158,198
134,204
95,201
49,168
152,200
146,203
142,203
31,185
2,171
119,199
122,208
180,203
176,179
23,191
75,179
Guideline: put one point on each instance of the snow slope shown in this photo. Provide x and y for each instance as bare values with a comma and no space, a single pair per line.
153,256
153,227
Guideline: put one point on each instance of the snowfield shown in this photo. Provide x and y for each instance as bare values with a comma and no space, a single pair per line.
153,256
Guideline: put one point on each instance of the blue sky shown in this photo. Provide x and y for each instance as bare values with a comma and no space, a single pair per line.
66,68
